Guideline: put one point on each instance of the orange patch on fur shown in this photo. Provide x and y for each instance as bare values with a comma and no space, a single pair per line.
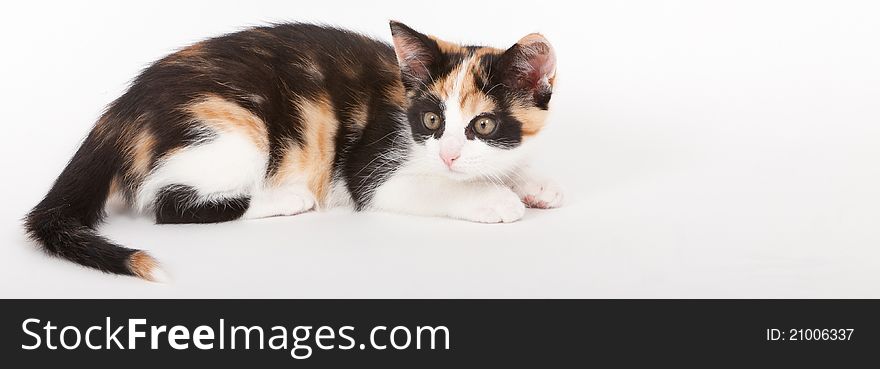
447,47
313,160
477,103
358,114
140,153
116,200
396,94
115,186
533,119
473,101
444,86
487,51
142,265
226,116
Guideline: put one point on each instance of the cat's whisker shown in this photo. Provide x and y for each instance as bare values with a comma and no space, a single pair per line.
493,87
383,137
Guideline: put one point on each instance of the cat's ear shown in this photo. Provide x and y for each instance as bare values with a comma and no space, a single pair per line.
416,53
530,65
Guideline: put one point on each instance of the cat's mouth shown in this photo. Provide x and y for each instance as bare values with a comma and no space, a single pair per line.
457,174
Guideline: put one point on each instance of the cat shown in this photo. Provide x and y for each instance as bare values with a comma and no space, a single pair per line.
283,119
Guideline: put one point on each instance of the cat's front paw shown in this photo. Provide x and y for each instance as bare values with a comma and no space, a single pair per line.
540,195
496,207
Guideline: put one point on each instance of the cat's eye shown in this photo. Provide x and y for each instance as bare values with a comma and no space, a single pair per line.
485,126
431,120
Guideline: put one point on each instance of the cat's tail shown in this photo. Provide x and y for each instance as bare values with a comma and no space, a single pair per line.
63,223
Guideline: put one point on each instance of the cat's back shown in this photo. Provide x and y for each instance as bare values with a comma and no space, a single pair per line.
263,68
270,72
301,53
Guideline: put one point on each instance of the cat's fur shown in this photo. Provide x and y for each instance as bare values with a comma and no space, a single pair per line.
284,119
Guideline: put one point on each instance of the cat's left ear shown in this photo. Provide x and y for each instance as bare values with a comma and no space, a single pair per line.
416,54
530,65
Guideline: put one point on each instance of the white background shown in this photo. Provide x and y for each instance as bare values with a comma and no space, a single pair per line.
709,150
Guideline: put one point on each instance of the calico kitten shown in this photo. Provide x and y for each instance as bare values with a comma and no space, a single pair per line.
284,119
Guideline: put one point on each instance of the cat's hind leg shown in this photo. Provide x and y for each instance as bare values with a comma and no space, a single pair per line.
228,176
182,204
207,182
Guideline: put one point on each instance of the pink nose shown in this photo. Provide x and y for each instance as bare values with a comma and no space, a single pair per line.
449,158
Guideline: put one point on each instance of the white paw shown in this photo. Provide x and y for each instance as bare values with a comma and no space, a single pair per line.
540,195
278,203
498,206
294,204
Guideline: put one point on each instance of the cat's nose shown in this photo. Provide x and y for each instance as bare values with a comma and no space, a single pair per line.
449,157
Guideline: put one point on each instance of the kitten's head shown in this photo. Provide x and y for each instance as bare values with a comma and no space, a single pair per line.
472,108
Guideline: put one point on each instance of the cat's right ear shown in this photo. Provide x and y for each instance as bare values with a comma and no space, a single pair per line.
416,54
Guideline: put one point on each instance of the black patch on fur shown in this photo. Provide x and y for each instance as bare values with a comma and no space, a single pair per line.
507,134
175,205
420,105
513,80
370,160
